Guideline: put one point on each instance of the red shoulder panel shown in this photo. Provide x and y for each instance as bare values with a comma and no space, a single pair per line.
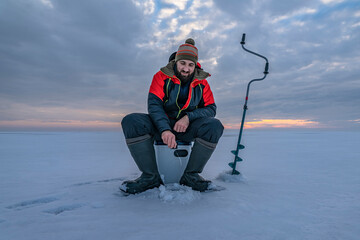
157,85
207,93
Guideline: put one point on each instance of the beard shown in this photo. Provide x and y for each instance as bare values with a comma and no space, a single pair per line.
183,78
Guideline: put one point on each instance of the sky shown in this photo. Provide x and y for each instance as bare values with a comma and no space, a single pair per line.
86,64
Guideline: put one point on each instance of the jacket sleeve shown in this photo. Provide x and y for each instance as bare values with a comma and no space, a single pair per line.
155,104
207,107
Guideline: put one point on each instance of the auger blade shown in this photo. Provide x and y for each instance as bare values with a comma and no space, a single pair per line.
237,158
231,165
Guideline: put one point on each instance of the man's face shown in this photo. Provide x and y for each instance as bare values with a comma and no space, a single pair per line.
185,68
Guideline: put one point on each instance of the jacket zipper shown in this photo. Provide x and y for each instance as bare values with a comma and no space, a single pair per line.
177,100
180,110
167,90
200,94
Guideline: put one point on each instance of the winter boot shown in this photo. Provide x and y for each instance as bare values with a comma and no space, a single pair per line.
142,150
200,154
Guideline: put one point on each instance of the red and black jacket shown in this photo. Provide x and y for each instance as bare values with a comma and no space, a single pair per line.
163,98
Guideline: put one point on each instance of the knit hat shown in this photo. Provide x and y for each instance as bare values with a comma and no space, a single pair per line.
187,51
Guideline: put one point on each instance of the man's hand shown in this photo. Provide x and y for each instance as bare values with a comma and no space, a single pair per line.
182,124
169,138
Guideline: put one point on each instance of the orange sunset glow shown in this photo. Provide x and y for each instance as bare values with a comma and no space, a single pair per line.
276,123
252,124
70,124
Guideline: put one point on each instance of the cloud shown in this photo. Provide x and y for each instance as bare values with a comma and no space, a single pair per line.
193,12
30,124
355,25
93,61
296,14
68,56
331,1
166,13
310,63
187,28
47,3
180,4
147,6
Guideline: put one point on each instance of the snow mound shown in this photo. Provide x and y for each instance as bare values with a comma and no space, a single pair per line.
229,178
168,193
175,193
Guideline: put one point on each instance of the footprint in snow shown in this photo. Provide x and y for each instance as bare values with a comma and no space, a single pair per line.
99,181
32,203
61,209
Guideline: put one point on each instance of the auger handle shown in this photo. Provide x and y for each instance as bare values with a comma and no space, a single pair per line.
243,39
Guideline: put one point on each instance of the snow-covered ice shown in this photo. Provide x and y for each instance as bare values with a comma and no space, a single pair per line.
302,184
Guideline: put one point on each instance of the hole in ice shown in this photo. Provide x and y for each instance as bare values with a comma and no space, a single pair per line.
175,193
228,177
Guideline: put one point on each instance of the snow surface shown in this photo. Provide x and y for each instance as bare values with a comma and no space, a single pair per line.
294,185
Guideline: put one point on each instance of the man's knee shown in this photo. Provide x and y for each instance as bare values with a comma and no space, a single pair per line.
129,120
136,124
216,124
211,130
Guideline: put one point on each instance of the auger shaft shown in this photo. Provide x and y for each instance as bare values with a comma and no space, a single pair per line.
239,146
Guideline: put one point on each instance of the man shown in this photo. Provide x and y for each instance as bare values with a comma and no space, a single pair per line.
181,107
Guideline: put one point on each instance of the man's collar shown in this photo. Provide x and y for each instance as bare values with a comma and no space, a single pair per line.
199,74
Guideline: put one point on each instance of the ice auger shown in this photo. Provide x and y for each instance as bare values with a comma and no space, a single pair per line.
239,146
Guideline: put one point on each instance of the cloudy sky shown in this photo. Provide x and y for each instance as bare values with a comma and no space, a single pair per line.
88,63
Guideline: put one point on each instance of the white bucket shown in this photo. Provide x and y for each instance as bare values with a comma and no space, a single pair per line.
171,163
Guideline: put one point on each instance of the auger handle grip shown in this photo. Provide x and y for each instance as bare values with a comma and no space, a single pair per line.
243,39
